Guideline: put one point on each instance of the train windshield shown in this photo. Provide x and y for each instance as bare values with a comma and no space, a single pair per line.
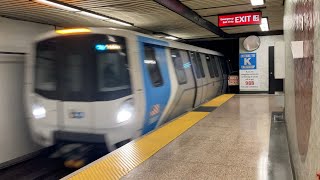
82,68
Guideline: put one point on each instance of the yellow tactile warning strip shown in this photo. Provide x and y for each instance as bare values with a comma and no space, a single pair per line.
118,163
218,101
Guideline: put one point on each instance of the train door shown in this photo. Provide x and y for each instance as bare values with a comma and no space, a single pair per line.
224,71
212,85
185,94
156,81
207,82
74,73
217,82
219,73
198,77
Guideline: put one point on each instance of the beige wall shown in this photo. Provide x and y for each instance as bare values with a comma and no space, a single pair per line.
15,36
302,87
262,59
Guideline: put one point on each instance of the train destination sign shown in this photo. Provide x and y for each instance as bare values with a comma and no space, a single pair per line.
240,19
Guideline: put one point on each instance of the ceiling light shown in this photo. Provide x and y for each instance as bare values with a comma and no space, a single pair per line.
83,12
171,38
257,2
73,31
93,15
57,5
264,24
119,22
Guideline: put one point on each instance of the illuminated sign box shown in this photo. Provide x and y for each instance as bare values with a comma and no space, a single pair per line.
240,19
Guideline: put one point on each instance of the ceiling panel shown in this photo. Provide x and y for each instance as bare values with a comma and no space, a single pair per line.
204,4
224,10
147,15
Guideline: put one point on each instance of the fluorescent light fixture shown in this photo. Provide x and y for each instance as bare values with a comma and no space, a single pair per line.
171,38
264,24
119,22
257,2
83,12
93,15
57,5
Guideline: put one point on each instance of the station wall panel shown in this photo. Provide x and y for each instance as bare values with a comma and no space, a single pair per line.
279,60
15,43
16,36
14,137
262,60
302,87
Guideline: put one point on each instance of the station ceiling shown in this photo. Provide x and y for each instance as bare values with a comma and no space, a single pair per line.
147,15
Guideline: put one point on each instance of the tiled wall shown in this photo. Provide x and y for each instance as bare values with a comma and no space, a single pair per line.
302,86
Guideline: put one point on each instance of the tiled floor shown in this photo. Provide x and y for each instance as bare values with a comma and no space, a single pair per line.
230,143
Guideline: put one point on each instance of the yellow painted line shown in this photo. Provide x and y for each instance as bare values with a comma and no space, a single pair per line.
119,162
218,101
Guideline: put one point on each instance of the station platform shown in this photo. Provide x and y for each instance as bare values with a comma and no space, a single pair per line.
230,137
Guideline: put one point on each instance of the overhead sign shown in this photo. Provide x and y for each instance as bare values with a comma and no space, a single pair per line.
248,61
240,19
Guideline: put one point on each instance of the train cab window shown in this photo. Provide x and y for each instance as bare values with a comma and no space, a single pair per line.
152,65
73,65
200,65
46,69
209,63
195,65
178,66
113,71
215,65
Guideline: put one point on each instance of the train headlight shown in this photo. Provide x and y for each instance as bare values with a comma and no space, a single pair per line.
38,111
126,112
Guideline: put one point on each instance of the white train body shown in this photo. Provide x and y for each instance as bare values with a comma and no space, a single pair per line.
111,86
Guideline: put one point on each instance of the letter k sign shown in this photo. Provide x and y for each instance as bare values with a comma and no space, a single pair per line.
247,61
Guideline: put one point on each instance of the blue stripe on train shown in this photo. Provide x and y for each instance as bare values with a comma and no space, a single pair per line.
156,97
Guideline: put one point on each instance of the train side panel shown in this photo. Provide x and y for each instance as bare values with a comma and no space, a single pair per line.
182,97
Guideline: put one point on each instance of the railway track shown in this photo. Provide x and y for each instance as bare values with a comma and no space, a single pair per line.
44,167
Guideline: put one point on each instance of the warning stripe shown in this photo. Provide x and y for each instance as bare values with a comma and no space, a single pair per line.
155,110
121,161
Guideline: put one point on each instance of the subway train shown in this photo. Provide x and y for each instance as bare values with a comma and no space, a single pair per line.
109,86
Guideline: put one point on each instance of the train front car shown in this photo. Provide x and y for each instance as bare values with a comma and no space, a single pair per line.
79,89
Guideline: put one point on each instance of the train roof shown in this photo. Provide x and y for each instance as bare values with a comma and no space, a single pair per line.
172,43
124,32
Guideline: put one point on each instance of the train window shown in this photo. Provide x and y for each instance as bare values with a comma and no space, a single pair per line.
46,69
195,64
152,65
200,65
113,71
73,77
178,66
215,65
209,63
82,68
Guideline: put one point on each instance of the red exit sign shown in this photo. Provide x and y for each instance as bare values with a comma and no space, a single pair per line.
240,19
